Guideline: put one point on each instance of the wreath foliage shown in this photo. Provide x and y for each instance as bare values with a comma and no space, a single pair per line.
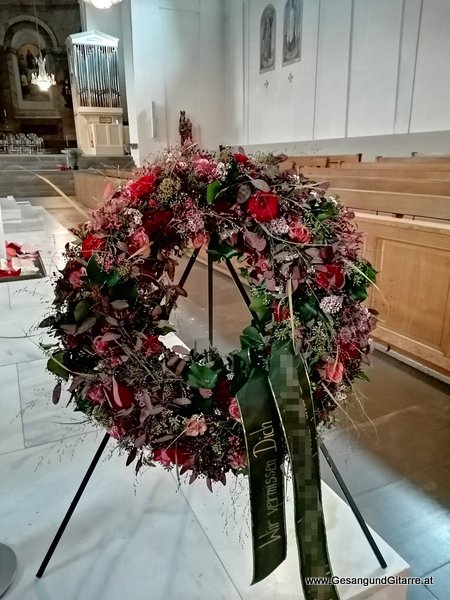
301,256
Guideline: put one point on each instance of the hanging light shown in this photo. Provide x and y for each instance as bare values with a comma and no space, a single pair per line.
43,80
102,3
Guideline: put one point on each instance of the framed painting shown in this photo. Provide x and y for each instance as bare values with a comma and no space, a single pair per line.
267,45
292,31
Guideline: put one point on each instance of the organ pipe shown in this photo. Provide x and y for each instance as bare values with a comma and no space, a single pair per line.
95,70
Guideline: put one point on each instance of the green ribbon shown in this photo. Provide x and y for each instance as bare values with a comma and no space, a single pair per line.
291,389
265,457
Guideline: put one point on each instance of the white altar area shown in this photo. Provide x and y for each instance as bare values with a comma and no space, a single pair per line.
94,80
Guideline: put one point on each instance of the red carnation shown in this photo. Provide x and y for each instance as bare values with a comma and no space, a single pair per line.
91,244
171,456
157,221
263,206
243,159
330,277
123,397
142,186
151,345
137,240
280,313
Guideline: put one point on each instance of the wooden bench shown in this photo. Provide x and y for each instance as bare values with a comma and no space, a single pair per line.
429,187
332,160
398,204
414,160
421,172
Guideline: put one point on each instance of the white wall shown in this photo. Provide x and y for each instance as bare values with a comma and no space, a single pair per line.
368,68
178,65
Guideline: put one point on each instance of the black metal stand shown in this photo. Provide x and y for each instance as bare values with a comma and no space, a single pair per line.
72,506
105,440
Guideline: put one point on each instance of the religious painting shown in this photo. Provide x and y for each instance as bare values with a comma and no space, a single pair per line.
27,56
267,39
292,31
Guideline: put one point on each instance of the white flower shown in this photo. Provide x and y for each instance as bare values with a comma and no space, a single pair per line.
331,304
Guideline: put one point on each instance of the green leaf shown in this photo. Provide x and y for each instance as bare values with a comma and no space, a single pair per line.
328,211
251,338
48,322
362,375
113,279
95,273
307,308
55,365
200,376
221,250
258,306
212,190
358,293
81,310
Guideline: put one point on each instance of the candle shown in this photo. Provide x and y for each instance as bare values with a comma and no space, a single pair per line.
2,237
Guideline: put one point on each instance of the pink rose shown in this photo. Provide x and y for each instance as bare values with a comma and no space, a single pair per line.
137,240
234,410
203,166
199,239
75,277
299,233
196,425
333,371
96,394
237,459
263,264
115,432
99,345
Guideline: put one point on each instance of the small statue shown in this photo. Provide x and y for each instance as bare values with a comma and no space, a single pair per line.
185,128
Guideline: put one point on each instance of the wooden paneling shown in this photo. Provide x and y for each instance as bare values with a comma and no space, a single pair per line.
366,170
90,187
430,207
413,295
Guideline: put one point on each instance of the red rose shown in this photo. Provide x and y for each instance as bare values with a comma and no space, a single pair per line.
263,206
222,393
122,399
330,277
142,186
91,244
151,345
332,371
243,159
280,313
349,351
157,221
299,233
171,456
137,240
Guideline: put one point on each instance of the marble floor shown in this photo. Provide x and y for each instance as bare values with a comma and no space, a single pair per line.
392,450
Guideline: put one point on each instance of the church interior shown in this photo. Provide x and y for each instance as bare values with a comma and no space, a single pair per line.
351,95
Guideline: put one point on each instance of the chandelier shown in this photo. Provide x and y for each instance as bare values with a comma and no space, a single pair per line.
43,80
102,3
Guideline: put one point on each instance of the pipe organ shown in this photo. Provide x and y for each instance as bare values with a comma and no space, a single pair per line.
94,78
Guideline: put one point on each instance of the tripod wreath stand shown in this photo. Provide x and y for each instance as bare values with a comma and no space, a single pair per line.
104,442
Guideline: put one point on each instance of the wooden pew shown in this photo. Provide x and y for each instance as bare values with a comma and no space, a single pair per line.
332,160
413,159
414,205
383,184
413,260
365,170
